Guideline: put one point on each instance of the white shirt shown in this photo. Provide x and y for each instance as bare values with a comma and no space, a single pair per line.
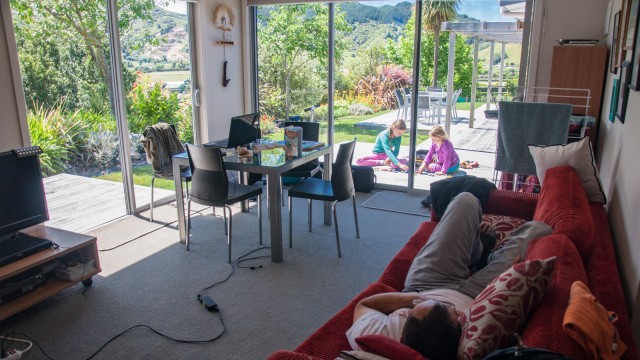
392,325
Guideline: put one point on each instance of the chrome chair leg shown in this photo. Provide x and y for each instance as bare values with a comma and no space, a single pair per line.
290,223
188,229
335,220
355,216
229,232
260,217
309,213
153,178
224,212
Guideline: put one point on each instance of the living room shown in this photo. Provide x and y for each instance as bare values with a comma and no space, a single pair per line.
614,150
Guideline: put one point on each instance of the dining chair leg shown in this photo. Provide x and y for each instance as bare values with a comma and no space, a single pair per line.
310,206
290,223
224,212
229,232
355,216
335,221
260,217
188,229
153,178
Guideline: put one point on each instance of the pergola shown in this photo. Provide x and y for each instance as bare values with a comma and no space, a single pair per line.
501,32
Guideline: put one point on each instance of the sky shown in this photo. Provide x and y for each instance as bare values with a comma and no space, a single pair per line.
486,10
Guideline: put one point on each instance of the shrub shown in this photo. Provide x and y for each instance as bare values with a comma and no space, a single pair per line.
360,109
149,104
379,87
267,124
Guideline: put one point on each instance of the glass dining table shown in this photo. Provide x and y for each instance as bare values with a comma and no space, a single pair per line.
271,162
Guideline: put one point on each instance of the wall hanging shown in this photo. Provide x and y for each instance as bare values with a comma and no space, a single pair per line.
224,19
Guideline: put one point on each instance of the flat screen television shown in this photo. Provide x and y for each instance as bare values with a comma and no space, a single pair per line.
22,197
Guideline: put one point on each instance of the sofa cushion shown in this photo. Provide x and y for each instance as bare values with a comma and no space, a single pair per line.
563,205
387,347
501,225
544,328
502,308
578,155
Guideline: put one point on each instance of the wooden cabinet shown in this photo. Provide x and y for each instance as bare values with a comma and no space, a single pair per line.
579,67
72,247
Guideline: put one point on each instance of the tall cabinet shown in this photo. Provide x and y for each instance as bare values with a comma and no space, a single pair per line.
579,67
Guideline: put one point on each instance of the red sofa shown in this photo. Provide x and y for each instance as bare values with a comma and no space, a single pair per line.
581,240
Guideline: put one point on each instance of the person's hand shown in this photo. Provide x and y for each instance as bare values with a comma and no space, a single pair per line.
439,173
387,162
404,167
421,168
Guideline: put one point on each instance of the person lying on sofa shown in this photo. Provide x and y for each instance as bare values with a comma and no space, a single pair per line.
439,286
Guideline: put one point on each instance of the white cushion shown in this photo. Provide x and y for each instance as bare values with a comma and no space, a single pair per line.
578,155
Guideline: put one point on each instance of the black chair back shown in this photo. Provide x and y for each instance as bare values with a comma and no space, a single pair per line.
341,178
209,182
310,130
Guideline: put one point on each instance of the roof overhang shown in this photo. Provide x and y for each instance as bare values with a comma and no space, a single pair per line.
512,8
499,31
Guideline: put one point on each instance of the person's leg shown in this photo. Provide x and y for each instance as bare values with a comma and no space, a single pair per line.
444,260
434,167
372,160
402,161
502,259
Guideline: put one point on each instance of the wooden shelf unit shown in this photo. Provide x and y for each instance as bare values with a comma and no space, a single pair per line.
72,246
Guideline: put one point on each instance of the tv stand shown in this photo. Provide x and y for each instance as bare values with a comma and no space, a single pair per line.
72,246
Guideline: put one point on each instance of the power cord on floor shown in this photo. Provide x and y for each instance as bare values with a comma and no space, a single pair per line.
206,301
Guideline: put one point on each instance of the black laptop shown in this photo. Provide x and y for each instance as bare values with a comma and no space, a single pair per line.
17,247
244,129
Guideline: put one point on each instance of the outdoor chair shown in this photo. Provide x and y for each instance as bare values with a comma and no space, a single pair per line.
338,189
211,187
161,142
401,103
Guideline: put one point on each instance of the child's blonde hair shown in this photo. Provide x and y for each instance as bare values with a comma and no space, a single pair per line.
398,124
438,131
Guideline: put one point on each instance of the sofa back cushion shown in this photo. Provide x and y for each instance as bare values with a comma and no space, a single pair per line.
544,328
563,205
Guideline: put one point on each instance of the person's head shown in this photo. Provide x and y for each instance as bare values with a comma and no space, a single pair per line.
438,134
397,128
433,330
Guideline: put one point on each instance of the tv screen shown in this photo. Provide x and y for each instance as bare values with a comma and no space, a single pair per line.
22,197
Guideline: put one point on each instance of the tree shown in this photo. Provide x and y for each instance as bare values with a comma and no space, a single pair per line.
295,35
435,13
81,23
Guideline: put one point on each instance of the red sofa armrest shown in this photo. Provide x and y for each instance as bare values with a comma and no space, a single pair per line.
290,355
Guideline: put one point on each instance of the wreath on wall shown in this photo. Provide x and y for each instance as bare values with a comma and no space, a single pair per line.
223,17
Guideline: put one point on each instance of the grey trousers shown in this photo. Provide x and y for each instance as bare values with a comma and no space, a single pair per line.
454,245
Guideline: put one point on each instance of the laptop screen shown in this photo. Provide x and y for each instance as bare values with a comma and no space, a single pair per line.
244,129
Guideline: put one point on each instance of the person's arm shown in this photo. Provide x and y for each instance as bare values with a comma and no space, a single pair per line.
385,303
447,154
386,146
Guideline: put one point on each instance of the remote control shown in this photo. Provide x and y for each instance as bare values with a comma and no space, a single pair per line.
27,151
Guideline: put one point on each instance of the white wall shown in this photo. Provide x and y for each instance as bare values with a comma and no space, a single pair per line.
13,113
618,144
221,103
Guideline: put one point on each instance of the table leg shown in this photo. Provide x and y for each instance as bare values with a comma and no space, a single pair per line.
243,176
177,182
274,199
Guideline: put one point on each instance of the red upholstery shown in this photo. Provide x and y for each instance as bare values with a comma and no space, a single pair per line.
544,328
563,205
580,229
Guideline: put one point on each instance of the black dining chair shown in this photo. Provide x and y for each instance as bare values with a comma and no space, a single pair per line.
211,187
161,142
338,189
310,132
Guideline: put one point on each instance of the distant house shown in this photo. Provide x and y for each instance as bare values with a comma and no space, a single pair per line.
175,86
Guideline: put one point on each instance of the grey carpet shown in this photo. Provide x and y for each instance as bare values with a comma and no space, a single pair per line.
151,279
399,202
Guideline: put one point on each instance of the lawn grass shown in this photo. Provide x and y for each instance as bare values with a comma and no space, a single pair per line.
344,127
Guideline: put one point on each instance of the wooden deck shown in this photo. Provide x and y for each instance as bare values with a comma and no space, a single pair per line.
81,204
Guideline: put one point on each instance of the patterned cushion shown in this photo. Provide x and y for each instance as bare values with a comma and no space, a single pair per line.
503,307
501,225
387,347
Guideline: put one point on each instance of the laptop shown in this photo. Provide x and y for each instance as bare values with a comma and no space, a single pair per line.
17,247
243,130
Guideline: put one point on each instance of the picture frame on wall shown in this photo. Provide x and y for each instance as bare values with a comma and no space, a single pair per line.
614,99
625,78
614,55
635,59
624,30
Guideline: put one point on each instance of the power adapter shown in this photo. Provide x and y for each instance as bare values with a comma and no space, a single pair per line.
13,355
208,302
